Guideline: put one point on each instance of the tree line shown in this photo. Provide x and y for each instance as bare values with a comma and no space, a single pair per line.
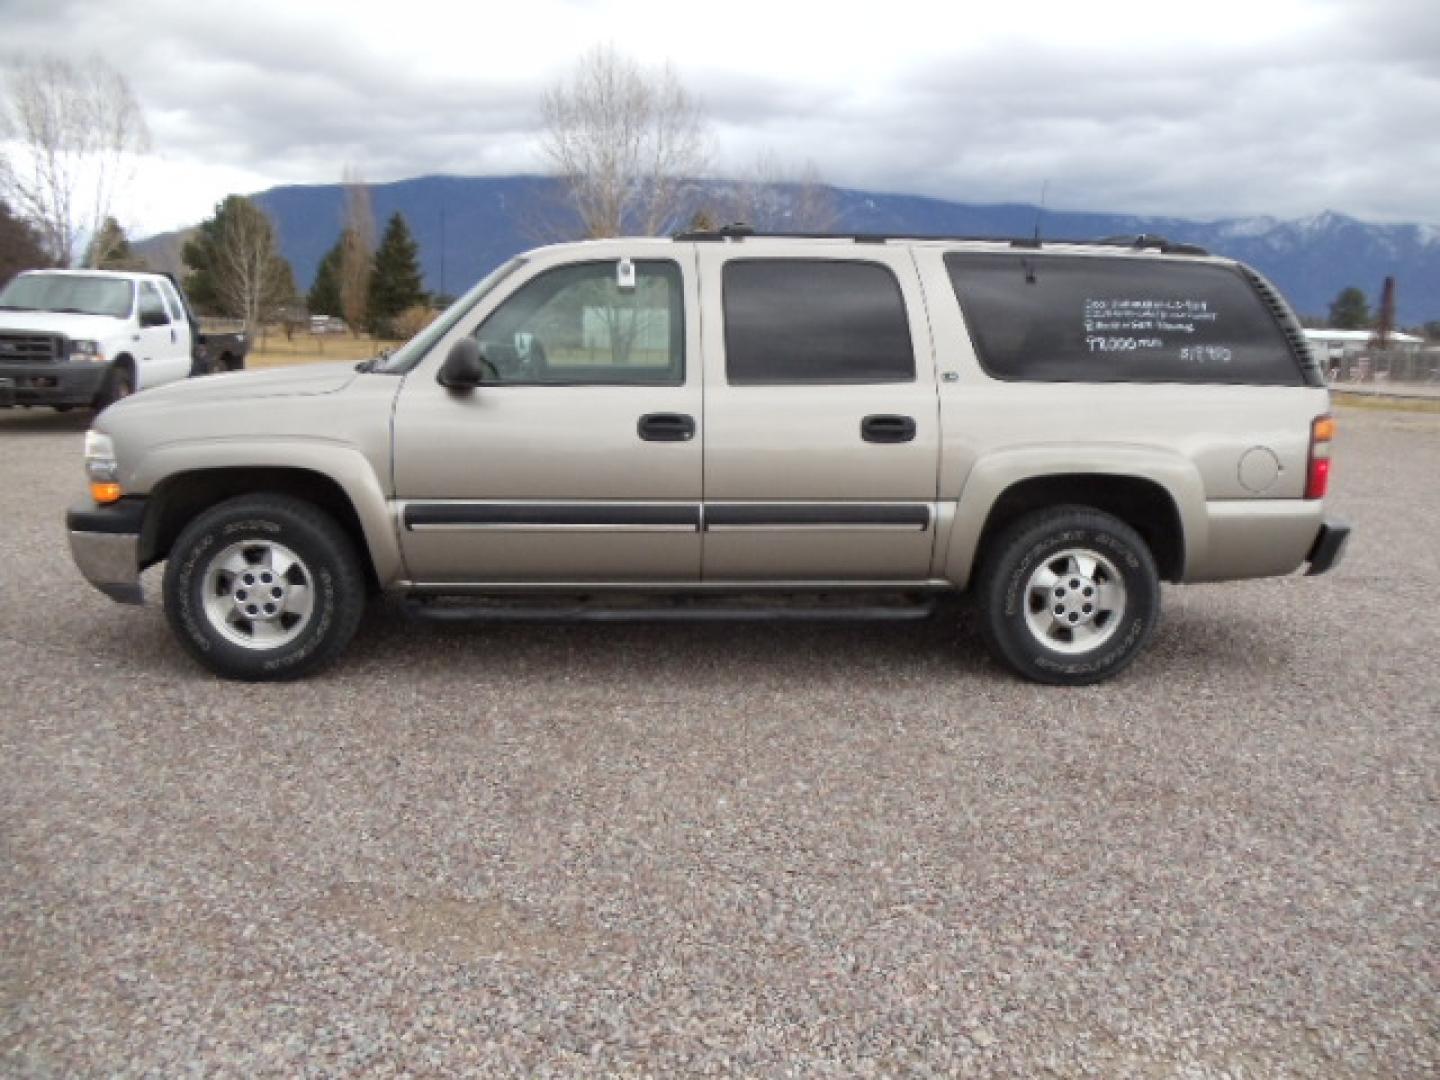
1350,310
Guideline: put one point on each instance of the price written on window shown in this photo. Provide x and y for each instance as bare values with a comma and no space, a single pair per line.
1117,325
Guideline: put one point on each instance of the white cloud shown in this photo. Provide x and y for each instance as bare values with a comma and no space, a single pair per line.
1285,107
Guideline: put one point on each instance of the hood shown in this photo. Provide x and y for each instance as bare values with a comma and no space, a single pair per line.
301,380
75,327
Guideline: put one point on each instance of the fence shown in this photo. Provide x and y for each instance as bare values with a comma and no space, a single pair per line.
1418,366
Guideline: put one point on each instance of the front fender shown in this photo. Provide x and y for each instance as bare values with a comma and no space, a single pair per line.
340,462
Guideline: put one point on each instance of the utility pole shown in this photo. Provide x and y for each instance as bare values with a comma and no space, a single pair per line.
1385,323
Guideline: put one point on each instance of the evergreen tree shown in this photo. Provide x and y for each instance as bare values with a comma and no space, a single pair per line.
236,268
395,284
110,249
1350,311
324,297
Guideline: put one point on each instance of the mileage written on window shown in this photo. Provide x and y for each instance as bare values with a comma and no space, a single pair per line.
1118,325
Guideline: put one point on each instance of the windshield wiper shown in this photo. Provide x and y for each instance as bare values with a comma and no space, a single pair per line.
15,307
70,311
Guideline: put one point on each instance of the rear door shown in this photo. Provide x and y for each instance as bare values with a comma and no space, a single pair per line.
821,414
183,351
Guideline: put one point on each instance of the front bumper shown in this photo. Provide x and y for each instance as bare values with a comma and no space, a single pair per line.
105,544
1329,546
50,384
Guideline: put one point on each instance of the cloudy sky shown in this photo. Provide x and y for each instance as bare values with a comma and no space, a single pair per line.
1201,109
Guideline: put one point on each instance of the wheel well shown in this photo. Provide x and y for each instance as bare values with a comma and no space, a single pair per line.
176,501
1142,504
125,360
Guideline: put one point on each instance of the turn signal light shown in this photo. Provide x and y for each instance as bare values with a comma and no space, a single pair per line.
105,492
1317,477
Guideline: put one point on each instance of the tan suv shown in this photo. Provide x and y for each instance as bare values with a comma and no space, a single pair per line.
723,425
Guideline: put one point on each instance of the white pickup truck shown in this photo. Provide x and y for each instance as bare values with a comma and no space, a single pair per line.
92,337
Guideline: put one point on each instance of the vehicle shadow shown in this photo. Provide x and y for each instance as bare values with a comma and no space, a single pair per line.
680,653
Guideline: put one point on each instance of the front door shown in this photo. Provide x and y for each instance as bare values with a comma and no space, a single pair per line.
821,415
579,459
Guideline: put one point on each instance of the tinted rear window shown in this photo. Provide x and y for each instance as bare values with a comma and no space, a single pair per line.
814,321
1058,318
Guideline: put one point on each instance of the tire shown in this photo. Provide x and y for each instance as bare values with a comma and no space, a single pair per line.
208,364
119,383
263,588
1068,595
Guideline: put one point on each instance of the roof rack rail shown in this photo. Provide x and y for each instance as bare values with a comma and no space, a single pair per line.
741,231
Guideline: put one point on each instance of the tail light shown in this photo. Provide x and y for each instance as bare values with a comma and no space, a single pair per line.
1317,477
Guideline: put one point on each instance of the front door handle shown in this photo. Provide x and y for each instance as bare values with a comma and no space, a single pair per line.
887,429
666,427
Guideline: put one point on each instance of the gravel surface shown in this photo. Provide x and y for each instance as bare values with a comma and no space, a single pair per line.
752,850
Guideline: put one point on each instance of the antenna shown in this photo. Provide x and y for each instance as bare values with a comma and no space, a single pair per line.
1040,210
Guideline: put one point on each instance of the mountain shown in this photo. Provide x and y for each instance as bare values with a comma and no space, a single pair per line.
485,220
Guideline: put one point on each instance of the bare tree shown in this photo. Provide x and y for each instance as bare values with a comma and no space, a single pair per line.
624,142
357,250
772,198
236,265
75,131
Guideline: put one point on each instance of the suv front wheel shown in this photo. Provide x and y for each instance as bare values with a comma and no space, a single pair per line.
264,587
1068,595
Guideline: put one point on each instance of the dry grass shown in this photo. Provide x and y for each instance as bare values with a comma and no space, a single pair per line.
1386,404
274,350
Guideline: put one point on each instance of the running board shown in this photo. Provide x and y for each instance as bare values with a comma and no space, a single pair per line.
442,611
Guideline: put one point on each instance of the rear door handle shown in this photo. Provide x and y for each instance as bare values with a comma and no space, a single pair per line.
884,428
666,427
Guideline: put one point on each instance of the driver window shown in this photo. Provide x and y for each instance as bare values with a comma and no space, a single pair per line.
576,325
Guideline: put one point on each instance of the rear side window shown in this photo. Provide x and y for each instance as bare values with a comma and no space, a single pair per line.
172,301
814,321
151,304
1058,318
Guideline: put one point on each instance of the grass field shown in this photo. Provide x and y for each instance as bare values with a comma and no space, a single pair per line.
1386,403
273,350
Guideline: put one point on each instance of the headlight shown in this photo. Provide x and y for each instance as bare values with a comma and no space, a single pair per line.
101,467
87,350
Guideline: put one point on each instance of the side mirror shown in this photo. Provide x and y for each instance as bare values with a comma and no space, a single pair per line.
154,318
464,368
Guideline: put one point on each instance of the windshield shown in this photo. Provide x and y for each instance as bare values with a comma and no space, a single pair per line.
409,354
71,293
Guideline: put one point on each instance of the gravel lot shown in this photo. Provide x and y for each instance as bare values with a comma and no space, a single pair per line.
761,851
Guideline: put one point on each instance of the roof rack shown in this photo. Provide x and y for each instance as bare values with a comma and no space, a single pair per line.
741,231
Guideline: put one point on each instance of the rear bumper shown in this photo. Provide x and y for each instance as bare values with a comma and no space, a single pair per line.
1329,546
50,384
105,544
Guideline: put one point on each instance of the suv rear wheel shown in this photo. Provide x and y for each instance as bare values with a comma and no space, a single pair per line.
1068,595
264,587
